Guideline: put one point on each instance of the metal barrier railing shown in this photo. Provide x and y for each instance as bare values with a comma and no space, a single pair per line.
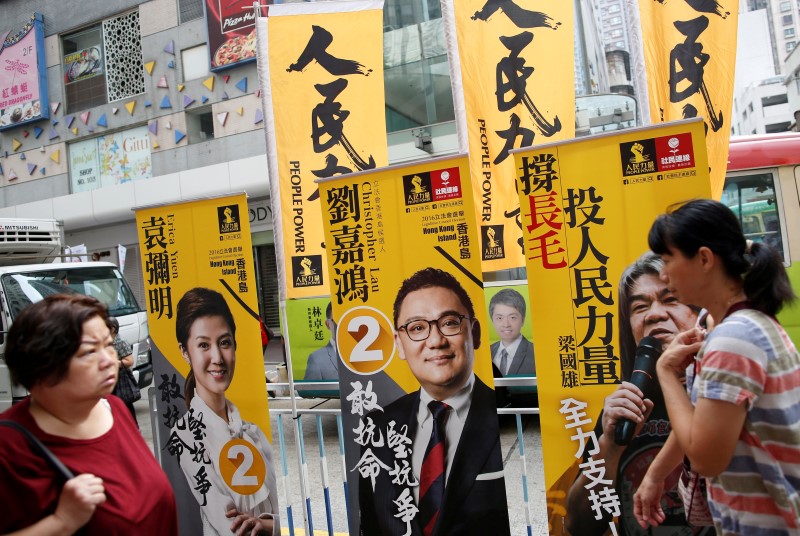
333,499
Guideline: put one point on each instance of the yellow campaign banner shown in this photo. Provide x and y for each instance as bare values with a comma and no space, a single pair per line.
202,311
412,333
587,208
517,93
690,55
324,104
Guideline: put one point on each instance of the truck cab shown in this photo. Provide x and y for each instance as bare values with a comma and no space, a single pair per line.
22,284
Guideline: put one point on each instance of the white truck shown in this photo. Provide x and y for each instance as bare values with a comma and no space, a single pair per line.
28,274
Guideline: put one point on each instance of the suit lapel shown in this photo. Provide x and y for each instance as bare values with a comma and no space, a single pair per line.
519,357
409,412
332,357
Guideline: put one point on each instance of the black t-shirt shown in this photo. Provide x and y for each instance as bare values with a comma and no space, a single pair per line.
635,460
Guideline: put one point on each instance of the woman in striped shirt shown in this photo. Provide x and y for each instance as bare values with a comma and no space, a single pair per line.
738,426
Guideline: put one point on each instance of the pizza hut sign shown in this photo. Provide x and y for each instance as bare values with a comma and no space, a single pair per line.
236,21
231,31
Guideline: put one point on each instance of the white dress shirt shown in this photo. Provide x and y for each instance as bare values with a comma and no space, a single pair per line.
511,349
460,403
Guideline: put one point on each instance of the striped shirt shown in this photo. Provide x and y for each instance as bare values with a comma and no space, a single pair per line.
749,359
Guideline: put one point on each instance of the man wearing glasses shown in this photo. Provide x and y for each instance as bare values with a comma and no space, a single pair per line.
457,485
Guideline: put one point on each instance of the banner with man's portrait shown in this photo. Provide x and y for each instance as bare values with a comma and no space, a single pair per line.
597,302
211,402
411,329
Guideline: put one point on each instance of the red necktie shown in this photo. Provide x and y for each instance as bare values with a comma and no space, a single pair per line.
431,479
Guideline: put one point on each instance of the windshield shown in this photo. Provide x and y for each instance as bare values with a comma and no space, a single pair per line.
102,282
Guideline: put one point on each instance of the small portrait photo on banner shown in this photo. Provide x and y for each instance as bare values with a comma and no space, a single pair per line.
510,342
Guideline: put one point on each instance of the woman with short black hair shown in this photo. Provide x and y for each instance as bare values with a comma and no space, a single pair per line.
61,350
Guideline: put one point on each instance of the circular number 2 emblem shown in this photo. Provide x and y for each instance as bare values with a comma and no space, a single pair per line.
242,466
365,339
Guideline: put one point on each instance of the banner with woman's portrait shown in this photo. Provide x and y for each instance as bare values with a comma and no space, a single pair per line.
213,429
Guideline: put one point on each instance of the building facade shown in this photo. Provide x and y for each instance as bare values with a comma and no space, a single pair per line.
136,117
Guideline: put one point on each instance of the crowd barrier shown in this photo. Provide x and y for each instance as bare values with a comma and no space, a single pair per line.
312,479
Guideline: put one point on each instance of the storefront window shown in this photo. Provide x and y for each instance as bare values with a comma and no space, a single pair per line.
103,63
84,77
110,160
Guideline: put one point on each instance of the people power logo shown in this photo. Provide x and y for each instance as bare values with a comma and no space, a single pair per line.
492,242
228,218
638,157
417,188
307,271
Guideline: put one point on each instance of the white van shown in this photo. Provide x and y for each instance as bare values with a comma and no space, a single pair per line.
22,284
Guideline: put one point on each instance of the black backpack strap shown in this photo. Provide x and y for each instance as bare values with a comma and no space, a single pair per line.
39,447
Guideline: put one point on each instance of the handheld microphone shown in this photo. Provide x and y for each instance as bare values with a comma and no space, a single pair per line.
644,371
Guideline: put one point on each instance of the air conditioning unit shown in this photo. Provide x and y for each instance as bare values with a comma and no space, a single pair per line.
29,241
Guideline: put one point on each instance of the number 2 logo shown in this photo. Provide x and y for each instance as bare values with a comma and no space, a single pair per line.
242,466
365,340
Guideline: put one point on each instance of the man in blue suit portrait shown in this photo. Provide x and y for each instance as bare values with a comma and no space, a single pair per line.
453,480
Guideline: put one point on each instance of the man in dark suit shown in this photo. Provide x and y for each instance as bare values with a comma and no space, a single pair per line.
323,363
452,416
512,355
507,311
